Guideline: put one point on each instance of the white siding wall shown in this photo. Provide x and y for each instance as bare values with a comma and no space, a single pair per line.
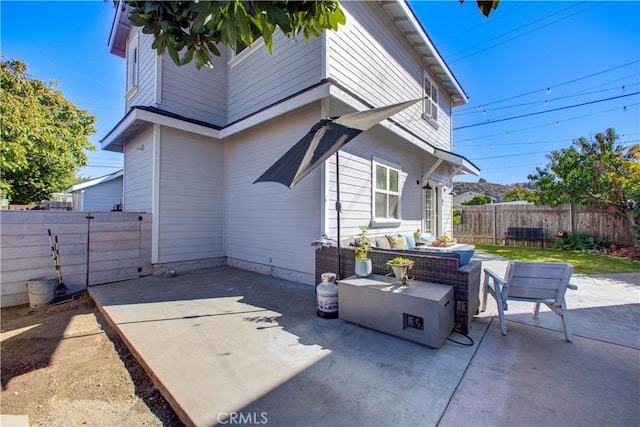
102,197
191,197
258,79
138,177
146,93
197,94
356,183
372,58
270,227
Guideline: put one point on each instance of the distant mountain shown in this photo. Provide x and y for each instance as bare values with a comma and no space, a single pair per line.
497,191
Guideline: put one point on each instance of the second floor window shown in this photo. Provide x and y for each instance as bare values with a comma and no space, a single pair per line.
386,192
132,65
430,111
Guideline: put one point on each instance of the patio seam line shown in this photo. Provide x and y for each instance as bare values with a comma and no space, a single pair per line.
573,333
446,407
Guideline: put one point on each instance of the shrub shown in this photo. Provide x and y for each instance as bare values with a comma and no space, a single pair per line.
581,242
457,216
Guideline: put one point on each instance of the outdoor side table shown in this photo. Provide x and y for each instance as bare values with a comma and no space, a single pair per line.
421,312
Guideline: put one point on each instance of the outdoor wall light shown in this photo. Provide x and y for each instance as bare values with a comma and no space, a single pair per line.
427,187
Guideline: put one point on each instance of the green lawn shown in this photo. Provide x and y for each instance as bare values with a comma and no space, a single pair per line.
585,263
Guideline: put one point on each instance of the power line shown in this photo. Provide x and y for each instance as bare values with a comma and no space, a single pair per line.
582,94
549,87
555,141
556,122
523,34
484,24
512,166
576,94
447,58
509,155
547,111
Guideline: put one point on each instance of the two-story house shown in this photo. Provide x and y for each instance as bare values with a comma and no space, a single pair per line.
194,141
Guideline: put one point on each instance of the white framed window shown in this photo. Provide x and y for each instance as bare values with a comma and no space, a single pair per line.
430,104
133,59
386,193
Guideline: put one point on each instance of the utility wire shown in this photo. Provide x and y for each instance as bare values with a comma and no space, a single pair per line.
548,87
483,25
556,122
448,57
512,166
529,107
510,155
547,111
574,95
555,141
520,35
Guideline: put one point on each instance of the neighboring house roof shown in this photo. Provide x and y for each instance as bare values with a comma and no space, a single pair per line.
95,181
515,202
468,195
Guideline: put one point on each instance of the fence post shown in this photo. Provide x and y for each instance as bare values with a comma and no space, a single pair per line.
495,242
570,217
89,217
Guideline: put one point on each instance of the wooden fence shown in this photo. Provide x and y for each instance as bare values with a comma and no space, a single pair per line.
487,224
95,248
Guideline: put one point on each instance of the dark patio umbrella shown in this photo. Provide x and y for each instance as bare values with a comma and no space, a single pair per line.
325,138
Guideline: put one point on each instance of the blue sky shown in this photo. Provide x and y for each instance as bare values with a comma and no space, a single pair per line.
525,59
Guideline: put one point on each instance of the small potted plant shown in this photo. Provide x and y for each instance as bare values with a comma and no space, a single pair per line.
363,265
399,266
444,241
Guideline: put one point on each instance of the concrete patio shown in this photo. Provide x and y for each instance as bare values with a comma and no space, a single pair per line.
229,346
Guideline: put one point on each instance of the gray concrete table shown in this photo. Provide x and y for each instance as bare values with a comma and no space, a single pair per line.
420,311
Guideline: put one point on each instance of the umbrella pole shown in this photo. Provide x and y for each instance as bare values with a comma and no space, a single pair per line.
338,210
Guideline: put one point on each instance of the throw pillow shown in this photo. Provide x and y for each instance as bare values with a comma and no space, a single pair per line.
465,256
392,241
401,242
411,242
427,237
382,242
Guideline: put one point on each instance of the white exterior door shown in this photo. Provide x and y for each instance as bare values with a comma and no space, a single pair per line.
430,218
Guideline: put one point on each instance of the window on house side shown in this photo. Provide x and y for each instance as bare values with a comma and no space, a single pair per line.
431,101
386,192
132,66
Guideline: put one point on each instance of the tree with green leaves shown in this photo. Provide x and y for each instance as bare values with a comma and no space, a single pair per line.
597,172
44,137
520,193
480,199
190,29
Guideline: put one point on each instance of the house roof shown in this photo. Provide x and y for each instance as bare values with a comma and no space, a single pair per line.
95,181
139,115
414,32
402,15
119,29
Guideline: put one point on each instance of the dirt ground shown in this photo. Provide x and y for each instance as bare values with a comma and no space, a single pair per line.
63,365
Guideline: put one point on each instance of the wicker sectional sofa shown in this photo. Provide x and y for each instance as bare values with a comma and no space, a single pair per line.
429,267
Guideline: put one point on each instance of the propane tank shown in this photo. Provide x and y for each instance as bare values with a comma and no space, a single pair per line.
327,292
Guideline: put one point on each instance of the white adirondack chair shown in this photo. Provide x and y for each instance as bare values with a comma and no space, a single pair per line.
536,282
